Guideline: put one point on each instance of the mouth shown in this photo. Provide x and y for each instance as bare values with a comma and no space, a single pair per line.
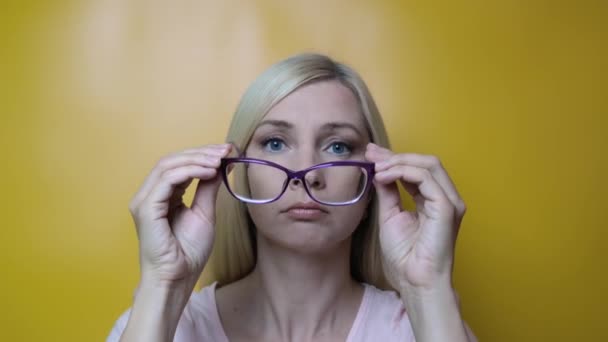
306,211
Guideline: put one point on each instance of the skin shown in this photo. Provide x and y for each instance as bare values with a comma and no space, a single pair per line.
301,288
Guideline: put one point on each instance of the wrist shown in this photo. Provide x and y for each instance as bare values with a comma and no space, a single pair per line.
162,293
162,296
153,279
440,294
424,291
434,312
156,311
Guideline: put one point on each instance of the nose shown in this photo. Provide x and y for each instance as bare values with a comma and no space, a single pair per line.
306,158
314,180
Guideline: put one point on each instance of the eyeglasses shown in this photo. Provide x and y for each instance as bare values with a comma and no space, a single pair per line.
260,181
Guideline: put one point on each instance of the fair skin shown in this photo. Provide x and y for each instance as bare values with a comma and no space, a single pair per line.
301,288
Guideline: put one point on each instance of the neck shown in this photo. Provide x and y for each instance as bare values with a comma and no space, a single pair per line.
304,294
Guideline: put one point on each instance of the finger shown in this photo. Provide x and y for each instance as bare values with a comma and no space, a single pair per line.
205,196
206,158
379,150
384,154
171,179
206,192
389,201
379,155
168,163
375,154
434,165
438,206
216,148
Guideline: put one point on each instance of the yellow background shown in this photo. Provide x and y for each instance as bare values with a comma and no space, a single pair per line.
512,96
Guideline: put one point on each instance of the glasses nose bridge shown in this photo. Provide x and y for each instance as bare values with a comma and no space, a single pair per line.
298,176
302,175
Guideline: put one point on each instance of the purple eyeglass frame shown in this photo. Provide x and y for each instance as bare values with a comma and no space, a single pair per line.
299,175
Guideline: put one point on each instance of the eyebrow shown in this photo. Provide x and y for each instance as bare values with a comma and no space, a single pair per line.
276,123
330,126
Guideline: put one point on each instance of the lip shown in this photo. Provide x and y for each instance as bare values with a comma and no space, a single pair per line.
305,211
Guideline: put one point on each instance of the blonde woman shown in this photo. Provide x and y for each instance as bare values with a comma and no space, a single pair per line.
302,211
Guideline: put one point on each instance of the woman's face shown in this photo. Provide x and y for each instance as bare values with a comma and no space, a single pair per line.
317,123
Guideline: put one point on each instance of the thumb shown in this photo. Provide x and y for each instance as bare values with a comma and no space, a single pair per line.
205,196
389,201
206,190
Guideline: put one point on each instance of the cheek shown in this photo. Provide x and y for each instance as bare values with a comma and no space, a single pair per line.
266,218
349,217
265,182
343,183
261,214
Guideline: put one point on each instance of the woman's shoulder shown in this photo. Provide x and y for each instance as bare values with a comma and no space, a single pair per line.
378,300
382,315
200,320
386,318
202,305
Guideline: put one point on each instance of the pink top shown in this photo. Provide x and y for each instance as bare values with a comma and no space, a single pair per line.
381,317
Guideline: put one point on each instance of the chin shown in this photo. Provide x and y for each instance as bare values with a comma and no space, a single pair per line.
320,234
306,237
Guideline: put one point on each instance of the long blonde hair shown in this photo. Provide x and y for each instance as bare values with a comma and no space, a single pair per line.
234,251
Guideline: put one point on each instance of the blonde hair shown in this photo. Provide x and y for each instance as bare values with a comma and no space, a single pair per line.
234,251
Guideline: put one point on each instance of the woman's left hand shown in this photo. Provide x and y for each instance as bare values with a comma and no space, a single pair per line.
418,247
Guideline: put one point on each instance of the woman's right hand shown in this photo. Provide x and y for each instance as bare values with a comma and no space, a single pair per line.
175,240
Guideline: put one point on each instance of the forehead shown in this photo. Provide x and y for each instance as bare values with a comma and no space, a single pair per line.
318,103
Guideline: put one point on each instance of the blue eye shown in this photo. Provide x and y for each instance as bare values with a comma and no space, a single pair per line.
339,148
273,144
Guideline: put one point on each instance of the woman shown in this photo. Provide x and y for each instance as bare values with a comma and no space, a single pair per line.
311,241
